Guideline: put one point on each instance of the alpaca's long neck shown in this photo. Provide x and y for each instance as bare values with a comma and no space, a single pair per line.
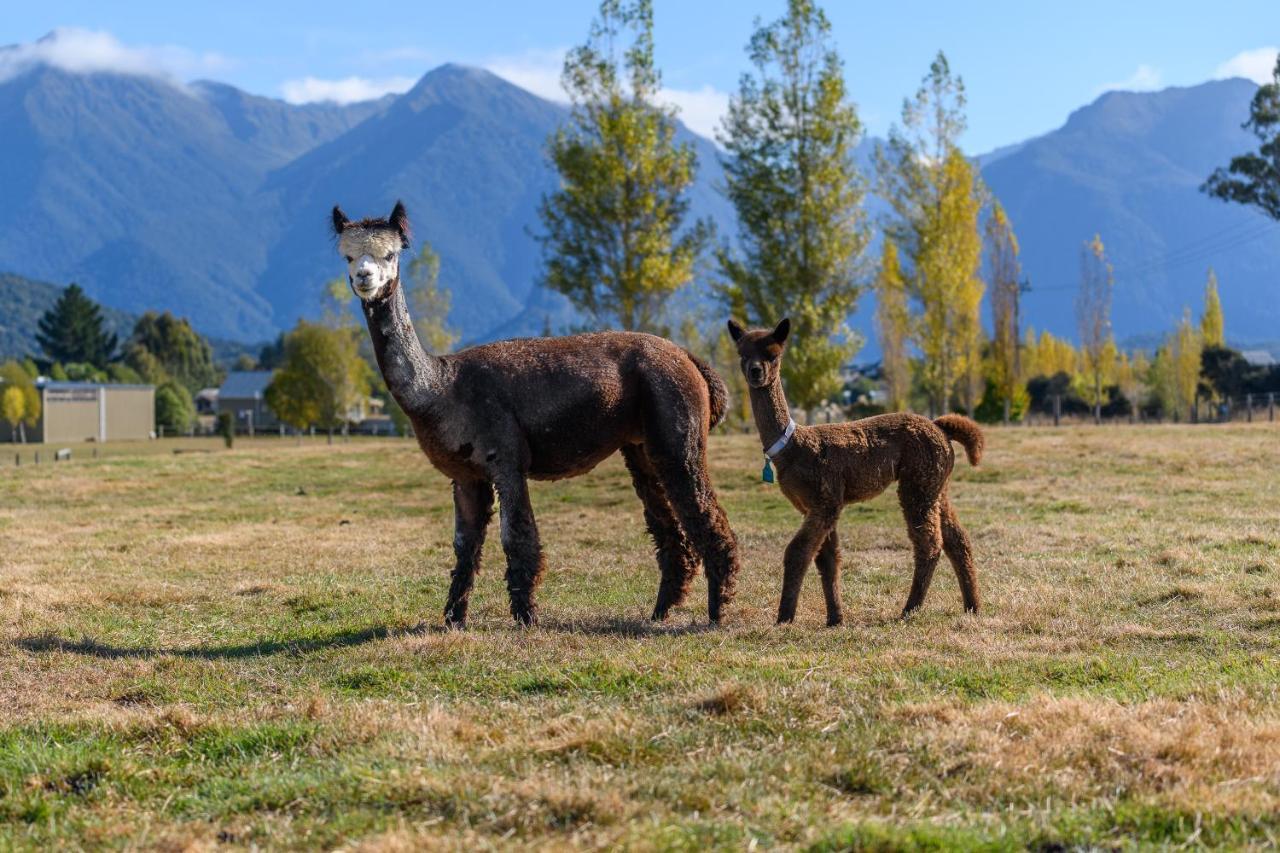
413,376
769,407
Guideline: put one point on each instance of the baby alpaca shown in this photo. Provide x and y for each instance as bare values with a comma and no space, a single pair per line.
821,468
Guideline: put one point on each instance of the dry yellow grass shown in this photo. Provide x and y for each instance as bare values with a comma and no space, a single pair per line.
241,648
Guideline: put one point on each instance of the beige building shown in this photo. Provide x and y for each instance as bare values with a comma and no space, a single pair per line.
86,411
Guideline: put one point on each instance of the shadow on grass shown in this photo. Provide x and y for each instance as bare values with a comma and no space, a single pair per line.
623,627
93,648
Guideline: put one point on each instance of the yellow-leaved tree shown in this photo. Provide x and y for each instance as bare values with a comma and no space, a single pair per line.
1093,315
893,327
1185,350
1006,290
1211,325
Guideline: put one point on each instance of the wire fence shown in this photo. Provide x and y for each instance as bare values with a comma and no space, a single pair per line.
1248,408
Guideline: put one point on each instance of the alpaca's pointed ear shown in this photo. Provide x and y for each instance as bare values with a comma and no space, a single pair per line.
399,220
735,331
340,220
781,330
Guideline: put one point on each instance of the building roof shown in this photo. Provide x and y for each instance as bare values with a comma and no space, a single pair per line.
1259,357
57,385
243,384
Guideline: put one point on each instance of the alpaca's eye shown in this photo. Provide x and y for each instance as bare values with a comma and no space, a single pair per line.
389,256
348,257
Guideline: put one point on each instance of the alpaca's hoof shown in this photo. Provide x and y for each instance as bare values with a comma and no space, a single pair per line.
908,612
526,618
835,621
453,623
658,616
786,618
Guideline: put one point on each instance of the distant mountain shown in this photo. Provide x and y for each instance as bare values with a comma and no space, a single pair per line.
1129,167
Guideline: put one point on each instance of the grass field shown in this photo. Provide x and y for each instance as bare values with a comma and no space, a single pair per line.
225,649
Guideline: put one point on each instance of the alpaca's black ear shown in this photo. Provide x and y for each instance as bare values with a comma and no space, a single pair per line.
781,331
399,220
735,331
340,220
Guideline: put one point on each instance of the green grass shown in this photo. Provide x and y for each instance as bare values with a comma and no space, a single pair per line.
243,648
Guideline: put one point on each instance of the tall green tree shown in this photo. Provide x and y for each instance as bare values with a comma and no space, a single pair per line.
428,302
614,239
1254,179
789,139
73,331
164,347
175,410
1005,273
1093,318
936,196
322,377
1211,324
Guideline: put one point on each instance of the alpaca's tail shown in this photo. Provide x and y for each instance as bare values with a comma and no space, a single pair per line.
715,386
962,429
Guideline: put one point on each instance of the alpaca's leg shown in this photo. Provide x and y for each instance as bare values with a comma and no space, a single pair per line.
472,509
804,546
681,465
521,545
676,558
924,528
956,543
829,568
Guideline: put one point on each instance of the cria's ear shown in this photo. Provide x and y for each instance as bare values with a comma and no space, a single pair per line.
781,330
340,220
735,331
399,220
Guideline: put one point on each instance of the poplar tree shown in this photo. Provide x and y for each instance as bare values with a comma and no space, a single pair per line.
1185,349
936,196
1093,316
1211,326
893,327
614,240
428,302
789,136
1006,289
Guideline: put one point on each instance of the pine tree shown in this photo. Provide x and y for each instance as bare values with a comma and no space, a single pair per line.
1006,290
936,196
789,172
1093,315
1211,325
893,327
73,331
615,241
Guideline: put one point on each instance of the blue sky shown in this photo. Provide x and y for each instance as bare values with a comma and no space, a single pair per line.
1026,64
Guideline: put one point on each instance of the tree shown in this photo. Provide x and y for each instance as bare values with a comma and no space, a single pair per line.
1163,382
428,302
15,375
1006,289
1185,356
1254,179
164,347
73,331
893,325
1211,326
13,408
1132,379
789,138
1093,316
936,197
175,410
321,379
613,239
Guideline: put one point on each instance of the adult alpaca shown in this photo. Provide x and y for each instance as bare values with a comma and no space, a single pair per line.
492,416
824,467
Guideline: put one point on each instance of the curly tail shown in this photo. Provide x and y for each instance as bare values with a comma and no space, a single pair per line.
715,386
966,432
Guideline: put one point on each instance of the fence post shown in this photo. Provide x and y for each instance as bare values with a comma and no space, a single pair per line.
37,457
1271,405
1195,410
1057,408
17,460
1248,406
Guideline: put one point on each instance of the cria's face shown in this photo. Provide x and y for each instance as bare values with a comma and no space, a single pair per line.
373,259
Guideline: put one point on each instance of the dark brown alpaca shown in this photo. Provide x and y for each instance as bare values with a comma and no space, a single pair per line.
821,468
491,417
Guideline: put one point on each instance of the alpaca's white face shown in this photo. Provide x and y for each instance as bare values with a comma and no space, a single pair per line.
373,259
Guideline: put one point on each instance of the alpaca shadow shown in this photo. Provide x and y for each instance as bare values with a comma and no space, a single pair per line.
93,648
631,628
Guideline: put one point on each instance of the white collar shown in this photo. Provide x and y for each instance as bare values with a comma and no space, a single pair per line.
778,446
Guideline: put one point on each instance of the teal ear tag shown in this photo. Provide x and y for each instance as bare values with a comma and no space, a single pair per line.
767,474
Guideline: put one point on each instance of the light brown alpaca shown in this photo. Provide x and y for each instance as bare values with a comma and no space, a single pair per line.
821,468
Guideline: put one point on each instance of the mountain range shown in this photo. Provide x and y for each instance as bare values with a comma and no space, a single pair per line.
213,203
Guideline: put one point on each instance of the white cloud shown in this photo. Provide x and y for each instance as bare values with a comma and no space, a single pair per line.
86,51
347,90
1144,79
538,71
1257,65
